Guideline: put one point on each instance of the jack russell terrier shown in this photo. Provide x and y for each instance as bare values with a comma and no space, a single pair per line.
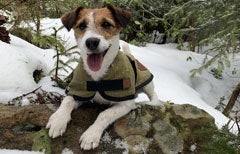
104,74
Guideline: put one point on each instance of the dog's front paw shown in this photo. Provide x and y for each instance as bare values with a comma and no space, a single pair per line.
58,123
90,138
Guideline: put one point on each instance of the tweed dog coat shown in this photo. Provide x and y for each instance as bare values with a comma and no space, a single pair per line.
125,76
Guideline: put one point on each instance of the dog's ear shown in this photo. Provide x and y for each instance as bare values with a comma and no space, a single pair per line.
69,19
120,15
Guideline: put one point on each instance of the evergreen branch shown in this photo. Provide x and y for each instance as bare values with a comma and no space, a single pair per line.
74,47
7,4
200,69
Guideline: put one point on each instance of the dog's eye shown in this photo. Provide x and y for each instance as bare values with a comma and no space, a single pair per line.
106,25
82,26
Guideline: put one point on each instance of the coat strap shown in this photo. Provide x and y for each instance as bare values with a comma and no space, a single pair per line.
109,85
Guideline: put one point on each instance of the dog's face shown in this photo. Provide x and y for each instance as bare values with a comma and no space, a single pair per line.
97,35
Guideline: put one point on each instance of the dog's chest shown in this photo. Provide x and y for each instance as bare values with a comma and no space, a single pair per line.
99,99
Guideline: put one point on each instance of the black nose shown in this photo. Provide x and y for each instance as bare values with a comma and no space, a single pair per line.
92,43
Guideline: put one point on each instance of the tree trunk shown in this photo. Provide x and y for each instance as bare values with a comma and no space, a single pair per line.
96,4
38,17
232,100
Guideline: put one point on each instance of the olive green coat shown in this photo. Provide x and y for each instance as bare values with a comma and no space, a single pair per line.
124,77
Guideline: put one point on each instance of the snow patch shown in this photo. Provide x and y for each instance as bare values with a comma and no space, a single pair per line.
117,143
18,62
193,147
5,151
67,151
25,102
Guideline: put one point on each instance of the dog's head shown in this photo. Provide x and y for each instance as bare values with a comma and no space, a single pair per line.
97,34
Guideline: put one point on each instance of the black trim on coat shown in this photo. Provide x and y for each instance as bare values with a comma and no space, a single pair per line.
116,99
132,62
77,98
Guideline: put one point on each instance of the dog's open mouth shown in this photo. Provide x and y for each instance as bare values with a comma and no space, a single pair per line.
95,60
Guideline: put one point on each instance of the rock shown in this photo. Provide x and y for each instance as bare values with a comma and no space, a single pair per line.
167,138
189,112
147,129
172,129
19,125
132,125
137,143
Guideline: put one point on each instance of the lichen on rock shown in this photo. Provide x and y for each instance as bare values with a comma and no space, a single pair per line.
166,137
42,142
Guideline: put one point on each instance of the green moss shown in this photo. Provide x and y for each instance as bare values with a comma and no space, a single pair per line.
41,141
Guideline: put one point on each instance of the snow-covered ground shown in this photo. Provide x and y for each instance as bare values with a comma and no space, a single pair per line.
169,66
5,151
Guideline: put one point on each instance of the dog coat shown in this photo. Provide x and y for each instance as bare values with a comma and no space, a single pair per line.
125,76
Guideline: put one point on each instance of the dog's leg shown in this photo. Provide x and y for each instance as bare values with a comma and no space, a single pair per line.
58,121
91,137
149,90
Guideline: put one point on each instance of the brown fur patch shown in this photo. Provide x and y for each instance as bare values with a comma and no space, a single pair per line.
69,19
82,16
100,16
121,16
141,66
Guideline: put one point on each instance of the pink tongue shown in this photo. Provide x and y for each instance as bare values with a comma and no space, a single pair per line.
94,61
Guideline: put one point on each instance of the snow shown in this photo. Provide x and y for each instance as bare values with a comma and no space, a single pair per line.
193,147
169,66
48,85
5,151
25,102
67,151
117,143
18,62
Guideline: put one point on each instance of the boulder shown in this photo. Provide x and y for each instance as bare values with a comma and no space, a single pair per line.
147,129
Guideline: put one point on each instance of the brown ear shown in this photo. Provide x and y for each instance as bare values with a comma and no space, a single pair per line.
69,19
120,15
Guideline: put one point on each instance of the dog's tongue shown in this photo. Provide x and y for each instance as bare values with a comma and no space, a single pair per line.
94,61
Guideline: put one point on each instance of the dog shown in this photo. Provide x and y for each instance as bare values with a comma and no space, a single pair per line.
111,75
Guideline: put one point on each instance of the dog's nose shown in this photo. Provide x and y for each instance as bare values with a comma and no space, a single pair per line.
92,43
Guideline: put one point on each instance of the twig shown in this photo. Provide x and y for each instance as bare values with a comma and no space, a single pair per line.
232,100
236,118
27,93
31,92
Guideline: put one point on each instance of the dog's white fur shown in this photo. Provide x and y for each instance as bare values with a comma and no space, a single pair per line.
91,137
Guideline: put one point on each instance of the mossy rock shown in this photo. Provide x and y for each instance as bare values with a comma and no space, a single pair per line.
42,142
147,129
